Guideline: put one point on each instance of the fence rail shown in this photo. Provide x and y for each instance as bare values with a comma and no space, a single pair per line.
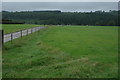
18,34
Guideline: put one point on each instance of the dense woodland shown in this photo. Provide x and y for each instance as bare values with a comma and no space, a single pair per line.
62,18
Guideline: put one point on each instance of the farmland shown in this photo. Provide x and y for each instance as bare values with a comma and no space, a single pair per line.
63,52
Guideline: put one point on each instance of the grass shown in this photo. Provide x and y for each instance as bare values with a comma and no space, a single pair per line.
63,52
0,26
8,28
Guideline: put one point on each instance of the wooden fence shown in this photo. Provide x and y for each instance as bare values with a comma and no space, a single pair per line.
1,38
9,37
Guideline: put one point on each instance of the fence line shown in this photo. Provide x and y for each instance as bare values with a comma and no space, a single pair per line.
1,39
18,34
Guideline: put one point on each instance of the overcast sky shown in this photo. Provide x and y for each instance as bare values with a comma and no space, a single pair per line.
63,6
59,0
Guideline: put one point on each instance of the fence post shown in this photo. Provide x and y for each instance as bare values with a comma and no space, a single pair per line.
27,32
11,37
21,33
38,29
1,39
31,30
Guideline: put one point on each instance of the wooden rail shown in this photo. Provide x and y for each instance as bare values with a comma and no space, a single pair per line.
9,37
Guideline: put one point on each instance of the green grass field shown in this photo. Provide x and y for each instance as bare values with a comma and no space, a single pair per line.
63,52
8,28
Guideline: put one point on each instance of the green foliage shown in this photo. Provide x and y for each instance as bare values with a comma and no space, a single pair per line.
63,52
64,18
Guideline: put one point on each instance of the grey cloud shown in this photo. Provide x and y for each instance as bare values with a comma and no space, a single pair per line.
63,6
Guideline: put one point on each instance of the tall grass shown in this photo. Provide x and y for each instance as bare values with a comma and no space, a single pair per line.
63,52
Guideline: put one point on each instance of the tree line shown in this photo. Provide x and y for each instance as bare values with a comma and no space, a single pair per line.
97,18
